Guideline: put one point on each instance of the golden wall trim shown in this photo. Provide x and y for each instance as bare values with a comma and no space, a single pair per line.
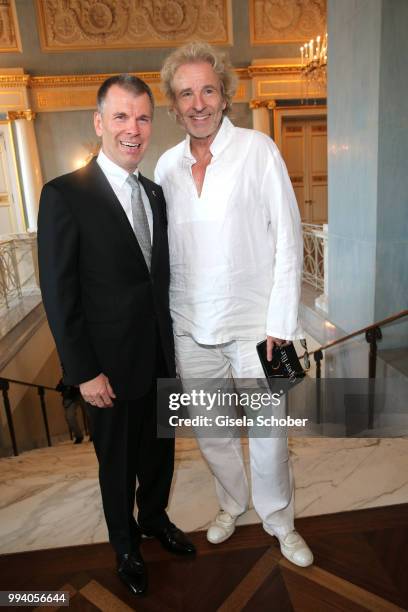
303,107
242,73
272,88
75,25
12,99
256,103
28,115
85,80
255,71
14,80
242,93
48,93
76,91
81,80
50,99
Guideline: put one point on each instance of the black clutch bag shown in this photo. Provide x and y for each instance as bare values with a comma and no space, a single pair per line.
285,362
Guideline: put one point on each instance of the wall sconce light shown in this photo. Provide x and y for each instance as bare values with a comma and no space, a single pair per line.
91,151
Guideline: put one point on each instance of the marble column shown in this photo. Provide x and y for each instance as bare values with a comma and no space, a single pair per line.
261,116
30,168
367,152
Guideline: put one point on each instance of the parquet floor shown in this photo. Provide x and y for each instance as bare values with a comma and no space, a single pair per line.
361,563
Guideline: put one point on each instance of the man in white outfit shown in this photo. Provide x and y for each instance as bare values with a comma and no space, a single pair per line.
235,258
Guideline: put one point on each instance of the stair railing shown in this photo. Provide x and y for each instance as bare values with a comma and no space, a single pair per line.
372,333
41,389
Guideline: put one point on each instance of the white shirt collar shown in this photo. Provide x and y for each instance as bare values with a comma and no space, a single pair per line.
219,143
114,172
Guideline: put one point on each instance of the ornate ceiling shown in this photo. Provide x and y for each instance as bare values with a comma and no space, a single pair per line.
9,32
285,21
77,25
90,24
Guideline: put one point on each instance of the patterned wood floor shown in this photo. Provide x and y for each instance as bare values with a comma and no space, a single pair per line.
361,563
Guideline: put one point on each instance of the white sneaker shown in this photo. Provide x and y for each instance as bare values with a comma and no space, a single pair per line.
295,549
221,528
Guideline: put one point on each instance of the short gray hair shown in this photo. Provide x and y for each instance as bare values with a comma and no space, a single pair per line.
127,81
200,52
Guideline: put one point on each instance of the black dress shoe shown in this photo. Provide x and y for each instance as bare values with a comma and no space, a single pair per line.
132,571
173,540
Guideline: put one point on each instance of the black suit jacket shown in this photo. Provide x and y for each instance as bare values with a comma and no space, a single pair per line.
106,311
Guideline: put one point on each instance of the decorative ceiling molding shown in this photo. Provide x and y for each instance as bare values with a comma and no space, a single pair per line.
242,73
9,33
82,80
254,71
78,92
286,21
28,115
75,25
14,80
256,103
59,95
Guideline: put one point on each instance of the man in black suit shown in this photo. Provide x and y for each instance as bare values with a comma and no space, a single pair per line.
104,273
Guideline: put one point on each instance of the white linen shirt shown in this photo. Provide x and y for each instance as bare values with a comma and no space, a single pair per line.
236,251
117,178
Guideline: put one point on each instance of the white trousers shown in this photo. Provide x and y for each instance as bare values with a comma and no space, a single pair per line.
272,483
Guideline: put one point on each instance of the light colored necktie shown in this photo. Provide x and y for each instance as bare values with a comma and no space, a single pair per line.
140,222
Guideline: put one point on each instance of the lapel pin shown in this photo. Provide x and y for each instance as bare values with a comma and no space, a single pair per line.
154,193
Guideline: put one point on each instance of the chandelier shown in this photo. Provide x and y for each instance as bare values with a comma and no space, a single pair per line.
313,58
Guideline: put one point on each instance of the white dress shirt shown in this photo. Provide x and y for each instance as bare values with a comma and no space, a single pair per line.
117,178
236,251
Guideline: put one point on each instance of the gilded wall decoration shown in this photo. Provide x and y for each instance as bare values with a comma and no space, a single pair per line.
28,115
285,21
70,25
14,80
75,92
9,33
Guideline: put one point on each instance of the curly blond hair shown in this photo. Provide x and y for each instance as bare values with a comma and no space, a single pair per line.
200,52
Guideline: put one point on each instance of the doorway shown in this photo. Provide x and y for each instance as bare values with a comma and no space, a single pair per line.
302,139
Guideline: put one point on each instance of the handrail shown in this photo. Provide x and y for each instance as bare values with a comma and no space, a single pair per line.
4,388
22,382
399,315
372,335
27,384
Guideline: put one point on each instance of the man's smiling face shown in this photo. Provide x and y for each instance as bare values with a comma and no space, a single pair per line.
125,125
199,100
